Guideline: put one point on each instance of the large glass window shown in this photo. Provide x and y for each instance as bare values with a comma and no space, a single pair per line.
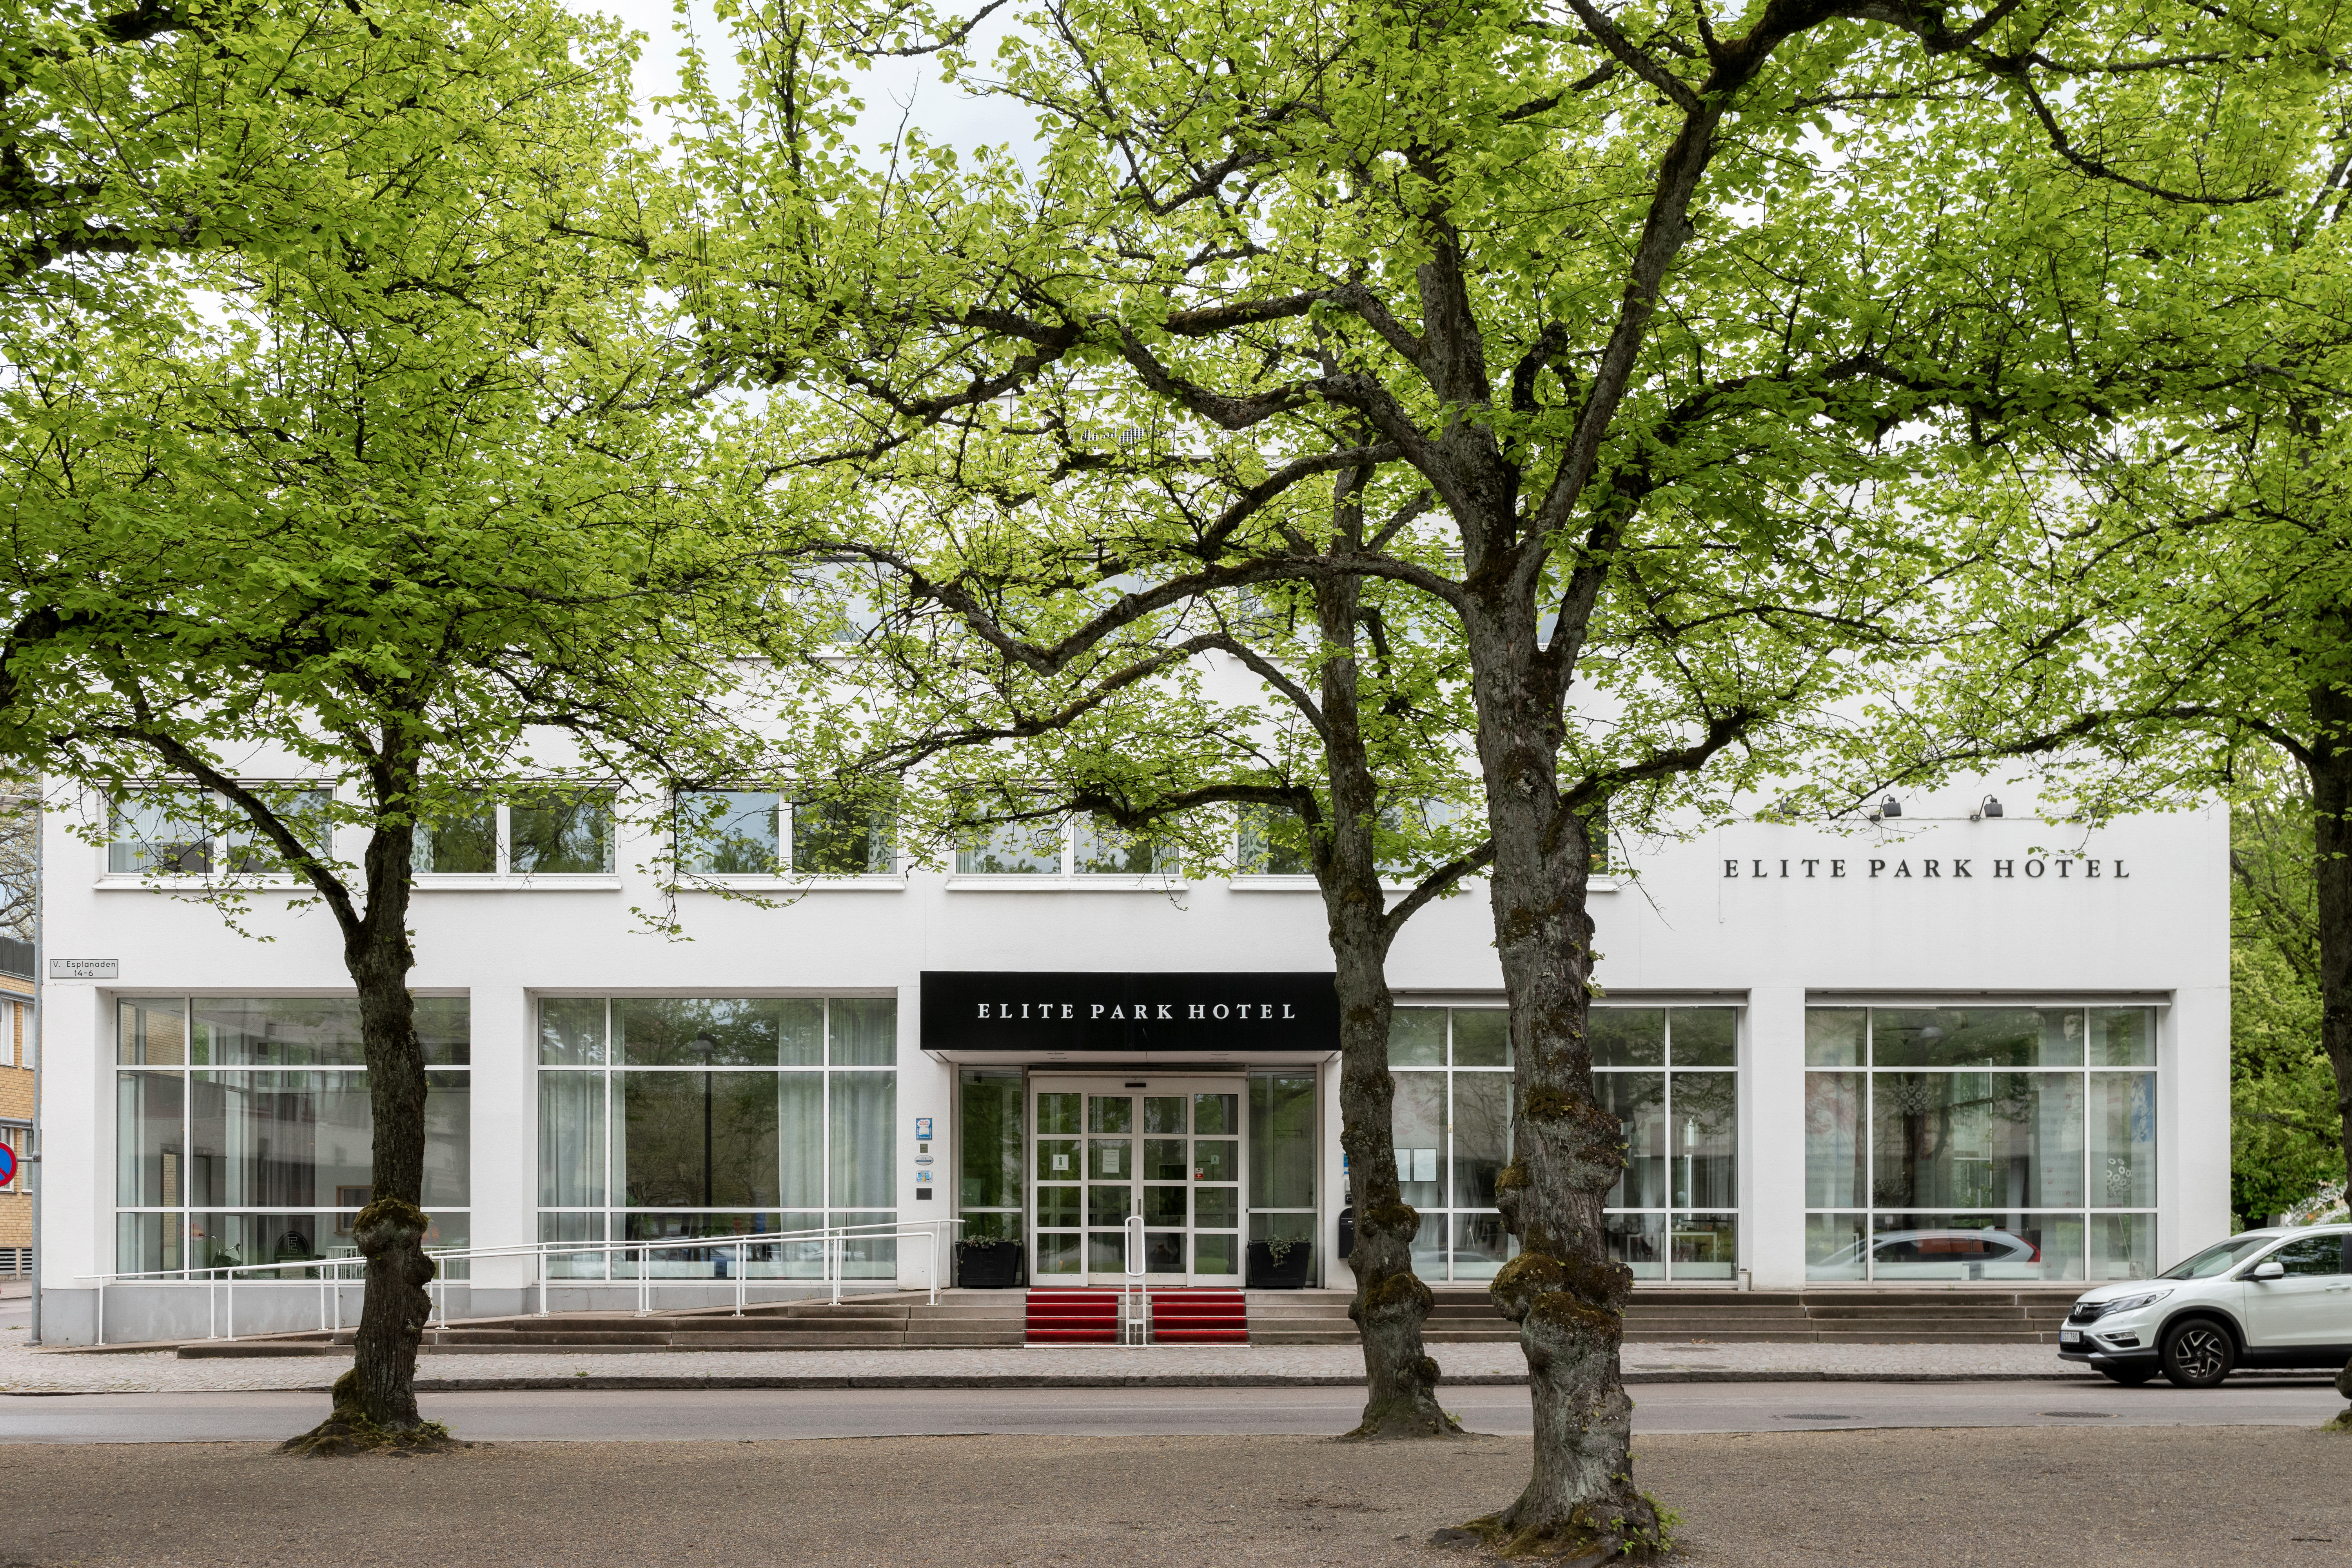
243,1130
1981,1143
1670,1077
672,1117
1451,1122
1282,1155
988,1176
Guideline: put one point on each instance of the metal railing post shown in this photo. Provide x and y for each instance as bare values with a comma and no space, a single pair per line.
742,1261
101,1311
1134,1305
232,1303
538,1276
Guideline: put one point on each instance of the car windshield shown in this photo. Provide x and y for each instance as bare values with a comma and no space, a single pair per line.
2219,1259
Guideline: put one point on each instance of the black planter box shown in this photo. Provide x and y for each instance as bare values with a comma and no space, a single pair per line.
988,1265
1290,1274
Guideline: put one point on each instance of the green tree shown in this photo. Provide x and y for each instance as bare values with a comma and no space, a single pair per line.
2284,1141
1323,718
412,514
1602,288
2172,622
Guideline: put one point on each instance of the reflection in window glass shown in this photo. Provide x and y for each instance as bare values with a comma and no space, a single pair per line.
2123,1140
1012,850
1272,844
1976,1140
1673,1213
161,831
1417,1038
1834,1035
1100,849
1994,1149
839,837
562,832
245,1131
711,1106
728,832
1836,1143
463,839
1977,1038
1628,1037
1638,1099
1482,1037
1452,1132
251,853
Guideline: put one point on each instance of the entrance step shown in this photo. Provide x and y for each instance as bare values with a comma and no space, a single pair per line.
1072,1318
1200,1317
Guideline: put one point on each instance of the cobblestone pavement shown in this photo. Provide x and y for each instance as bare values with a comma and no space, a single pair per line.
27,1371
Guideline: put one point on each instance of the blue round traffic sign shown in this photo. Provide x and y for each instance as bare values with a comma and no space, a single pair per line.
7,1164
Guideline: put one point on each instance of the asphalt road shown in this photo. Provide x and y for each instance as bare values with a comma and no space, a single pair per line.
740,1414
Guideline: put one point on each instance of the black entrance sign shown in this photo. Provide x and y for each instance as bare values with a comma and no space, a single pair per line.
975,1010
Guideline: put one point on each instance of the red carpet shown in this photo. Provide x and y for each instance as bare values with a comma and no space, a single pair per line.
1199,1317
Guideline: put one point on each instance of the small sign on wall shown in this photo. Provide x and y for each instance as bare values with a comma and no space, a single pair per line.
85,969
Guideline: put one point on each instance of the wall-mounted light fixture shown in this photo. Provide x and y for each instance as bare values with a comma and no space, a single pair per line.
1890,806
1992,807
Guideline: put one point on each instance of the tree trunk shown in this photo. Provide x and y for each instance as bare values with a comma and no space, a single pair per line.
2331,864
375,1402
1391,1304
1563,1289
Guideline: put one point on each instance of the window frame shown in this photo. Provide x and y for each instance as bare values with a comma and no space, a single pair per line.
1667,1070
219,846
185,1213
612,1216
502,875
789,802
1068,878
1447,1070
2149,1214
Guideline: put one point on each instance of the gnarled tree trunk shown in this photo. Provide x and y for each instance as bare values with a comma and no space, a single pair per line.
1563,1289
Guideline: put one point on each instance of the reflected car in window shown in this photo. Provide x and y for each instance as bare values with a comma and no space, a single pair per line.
1891,1250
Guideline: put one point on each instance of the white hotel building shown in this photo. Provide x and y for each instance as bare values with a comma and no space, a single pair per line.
1948,1047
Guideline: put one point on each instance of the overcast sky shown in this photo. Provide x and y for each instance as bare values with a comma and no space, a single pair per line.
943,114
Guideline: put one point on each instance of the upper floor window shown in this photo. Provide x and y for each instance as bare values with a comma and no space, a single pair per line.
1080,847
770,832
561,830
178,830
1272,844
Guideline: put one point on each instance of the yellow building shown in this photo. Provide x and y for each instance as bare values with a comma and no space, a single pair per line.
17,1069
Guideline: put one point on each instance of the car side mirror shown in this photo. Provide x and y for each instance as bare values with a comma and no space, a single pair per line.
2271,1269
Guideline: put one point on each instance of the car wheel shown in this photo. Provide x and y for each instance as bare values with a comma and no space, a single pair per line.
2198,1354
2131,1374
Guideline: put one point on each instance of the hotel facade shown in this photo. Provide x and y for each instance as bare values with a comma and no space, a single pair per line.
1951,1047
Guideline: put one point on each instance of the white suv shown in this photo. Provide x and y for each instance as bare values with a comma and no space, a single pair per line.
2269,1297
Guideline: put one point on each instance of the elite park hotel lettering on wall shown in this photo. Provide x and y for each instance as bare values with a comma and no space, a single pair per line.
1940,868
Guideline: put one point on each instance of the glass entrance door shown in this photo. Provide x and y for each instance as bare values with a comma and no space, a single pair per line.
1167,1149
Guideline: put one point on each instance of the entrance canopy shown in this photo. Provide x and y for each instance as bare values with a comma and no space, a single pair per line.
1129,1018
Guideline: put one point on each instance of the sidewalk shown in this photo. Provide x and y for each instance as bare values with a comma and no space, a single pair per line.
27,1371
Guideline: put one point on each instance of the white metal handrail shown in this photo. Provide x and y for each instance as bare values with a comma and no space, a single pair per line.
832,1242
1134,1301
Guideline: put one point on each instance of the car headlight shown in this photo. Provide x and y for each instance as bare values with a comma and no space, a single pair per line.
2133,1303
